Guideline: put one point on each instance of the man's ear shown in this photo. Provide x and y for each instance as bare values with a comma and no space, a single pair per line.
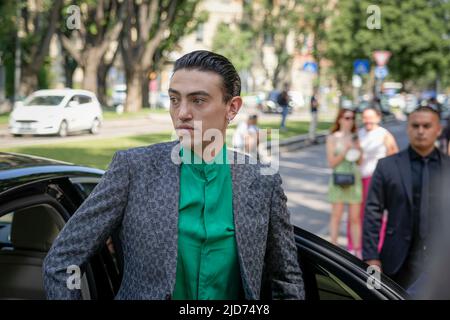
233,107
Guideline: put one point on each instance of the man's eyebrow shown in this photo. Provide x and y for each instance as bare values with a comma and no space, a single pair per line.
174,91
199,93
190,94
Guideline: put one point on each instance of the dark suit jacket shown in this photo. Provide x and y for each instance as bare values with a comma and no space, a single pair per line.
391,189
139,194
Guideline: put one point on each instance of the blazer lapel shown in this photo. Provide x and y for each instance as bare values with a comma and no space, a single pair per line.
165,173
404,167
243,175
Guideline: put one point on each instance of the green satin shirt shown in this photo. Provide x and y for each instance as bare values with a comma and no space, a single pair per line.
207,261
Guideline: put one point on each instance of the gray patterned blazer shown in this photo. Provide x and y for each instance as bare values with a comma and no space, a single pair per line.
138,195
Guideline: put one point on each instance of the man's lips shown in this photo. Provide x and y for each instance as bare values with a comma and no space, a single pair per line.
185,127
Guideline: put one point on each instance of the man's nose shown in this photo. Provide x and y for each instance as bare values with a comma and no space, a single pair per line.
185,112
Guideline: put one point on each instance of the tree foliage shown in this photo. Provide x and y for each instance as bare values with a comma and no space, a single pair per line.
417,32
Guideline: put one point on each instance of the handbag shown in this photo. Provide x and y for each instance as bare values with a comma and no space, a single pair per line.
343,179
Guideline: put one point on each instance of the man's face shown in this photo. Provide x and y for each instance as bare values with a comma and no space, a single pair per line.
370,119
197,96
423,129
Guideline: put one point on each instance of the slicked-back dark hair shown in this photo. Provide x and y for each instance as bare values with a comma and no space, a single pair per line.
203,60
426,108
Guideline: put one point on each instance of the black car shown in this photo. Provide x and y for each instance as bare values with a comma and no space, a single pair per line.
38,195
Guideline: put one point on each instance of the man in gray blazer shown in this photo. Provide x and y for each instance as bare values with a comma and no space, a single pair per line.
200,231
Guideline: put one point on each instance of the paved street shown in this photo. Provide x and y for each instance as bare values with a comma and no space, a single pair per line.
306,175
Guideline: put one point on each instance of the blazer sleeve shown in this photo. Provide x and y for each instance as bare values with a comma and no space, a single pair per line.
87,230
373,214
284,273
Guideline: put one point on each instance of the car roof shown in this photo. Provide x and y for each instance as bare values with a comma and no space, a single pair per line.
61,92
19,169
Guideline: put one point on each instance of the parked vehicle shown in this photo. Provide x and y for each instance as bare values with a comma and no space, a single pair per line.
119,95
56,111
41,194
163,100
270,105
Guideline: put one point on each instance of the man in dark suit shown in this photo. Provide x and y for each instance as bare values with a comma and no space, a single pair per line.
411,186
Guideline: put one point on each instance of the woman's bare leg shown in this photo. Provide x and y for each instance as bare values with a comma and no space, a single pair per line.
337,209
355,226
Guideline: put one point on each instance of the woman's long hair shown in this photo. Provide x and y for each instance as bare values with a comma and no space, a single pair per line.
336,125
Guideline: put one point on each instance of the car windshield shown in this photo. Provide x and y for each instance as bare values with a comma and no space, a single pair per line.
44,101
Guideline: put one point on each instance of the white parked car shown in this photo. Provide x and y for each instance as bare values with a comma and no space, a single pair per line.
119,94
297,99
56,111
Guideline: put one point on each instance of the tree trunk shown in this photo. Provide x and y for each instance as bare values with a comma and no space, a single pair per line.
101,84
68,73
90,74
28,81
101,87
145,91
133,102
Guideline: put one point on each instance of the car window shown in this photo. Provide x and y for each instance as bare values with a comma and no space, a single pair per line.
28,234
84,99
85,188
5,231
331,287
44,101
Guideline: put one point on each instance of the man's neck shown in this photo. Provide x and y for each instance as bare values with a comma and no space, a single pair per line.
423,152
210,155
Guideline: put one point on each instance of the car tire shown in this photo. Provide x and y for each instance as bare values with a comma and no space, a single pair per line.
63,129
95,126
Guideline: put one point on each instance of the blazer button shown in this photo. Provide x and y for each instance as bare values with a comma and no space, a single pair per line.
168,296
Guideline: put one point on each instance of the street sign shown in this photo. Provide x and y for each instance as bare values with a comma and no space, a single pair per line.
356,81
381,57
381,72
310,67
361,66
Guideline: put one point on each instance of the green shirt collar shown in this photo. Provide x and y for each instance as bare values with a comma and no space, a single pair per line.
206,169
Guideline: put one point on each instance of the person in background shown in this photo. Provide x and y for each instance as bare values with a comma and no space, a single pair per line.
314,107
283,101
376,143
245,137
447,136
345,186
409,186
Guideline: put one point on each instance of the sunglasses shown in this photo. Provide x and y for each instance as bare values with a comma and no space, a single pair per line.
348,118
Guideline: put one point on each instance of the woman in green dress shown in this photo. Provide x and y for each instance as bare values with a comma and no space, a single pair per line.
344,155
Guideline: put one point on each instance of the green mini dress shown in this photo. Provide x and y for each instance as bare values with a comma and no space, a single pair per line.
348,194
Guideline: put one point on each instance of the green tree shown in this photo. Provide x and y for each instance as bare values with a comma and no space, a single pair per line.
271,24
235,44
88,40
315,14
34,28
417,33
148,25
